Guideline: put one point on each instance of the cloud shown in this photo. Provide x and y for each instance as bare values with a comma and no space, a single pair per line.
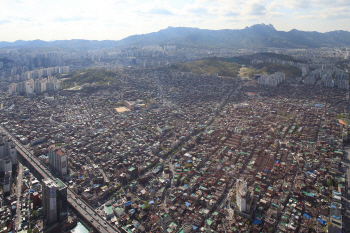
332,13
4,21
305,17
233,20
300,4
307,4
118,2
257,9
20,19
336,16
198,10
232,14
160,11
68,19
27,19
277,14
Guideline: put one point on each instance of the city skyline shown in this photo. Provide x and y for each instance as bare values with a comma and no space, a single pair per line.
115,20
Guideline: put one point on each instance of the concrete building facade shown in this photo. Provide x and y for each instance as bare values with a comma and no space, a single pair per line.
58,160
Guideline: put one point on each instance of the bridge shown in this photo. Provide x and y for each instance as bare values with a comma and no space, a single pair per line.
85,210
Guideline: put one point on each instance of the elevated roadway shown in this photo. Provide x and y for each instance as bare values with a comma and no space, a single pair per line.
85,210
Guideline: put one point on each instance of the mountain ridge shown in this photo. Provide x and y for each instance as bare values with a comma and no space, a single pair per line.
255,36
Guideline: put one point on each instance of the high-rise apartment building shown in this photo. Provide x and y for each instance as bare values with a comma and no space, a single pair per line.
58,160
7,149
32,85
241,195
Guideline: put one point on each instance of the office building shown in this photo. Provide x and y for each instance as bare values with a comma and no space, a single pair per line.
54,200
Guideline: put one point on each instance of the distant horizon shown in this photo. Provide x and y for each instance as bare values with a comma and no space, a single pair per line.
117,19
53,40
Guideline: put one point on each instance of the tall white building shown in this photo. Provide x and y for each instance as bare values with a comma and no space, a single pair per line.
309,80
38,86
34,74
8,156
241,195
12,89
58,160
341,84
341,75
7,149
329,82
271,80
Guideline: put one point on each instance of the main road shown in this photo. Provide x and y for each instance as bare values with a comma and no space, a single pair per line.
346,195
18,193
85,210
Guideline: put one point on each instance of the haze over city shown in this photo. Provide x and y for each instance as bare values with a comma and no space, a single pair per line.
115,20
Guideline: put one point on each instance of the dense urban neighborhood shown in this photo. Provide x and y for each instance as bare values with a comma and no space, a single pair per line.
148,139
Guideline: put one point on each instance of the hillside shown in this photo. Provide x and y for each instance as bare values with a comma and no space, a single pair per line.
270,68
209,66
89,76
265,68
232,67
256,36
279,56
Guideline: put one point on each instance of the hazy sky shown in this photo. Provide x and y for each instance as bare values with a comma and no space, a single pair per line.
114,20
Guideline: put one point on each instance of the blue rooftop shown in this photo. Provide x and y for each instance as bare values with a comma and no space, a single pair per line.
127,203
131,211
257,222
321,221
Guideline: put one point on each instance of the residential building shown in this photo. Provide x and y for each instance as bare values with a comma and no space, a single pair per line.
58,160
241,195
